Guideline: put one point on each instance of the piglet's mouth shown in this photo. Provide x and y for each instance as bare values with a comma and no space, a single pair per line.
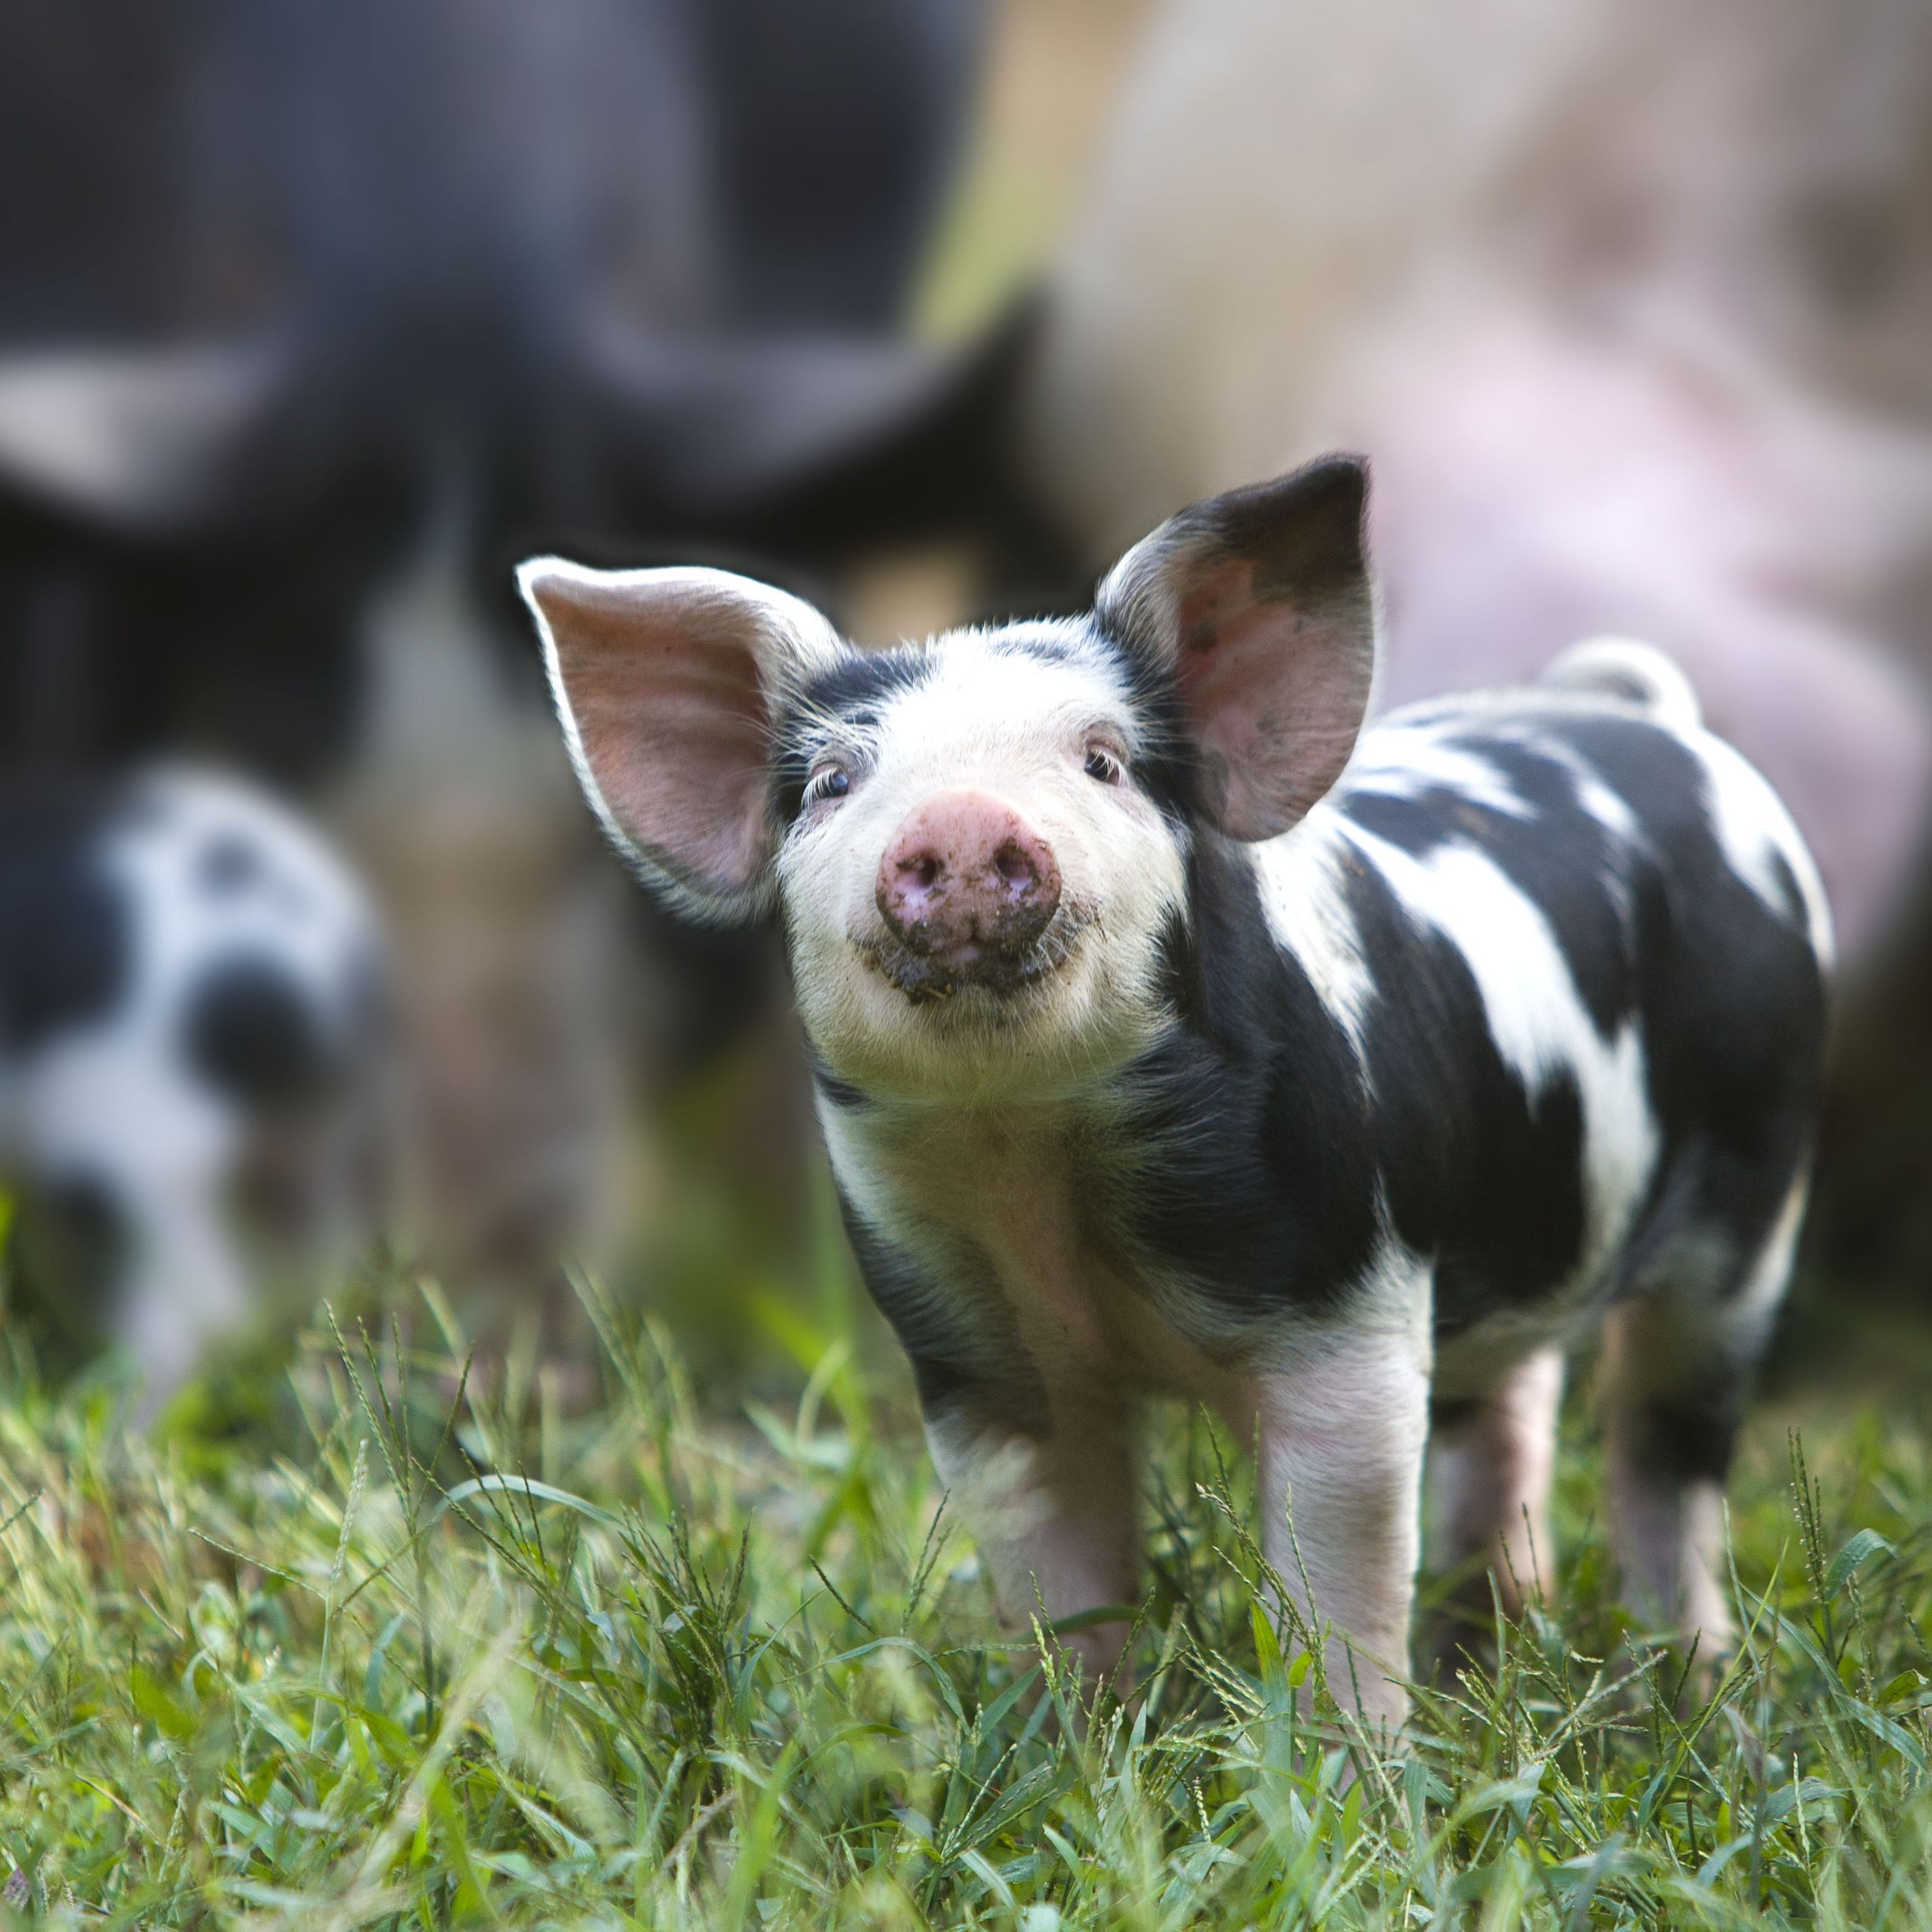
931,976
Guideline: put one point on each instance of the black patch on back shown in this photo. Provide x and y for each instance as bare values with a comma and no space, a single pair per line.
1561,858
1259,1185
1656,926
251,1032
1565,861
1731,996
1480,1173
66,943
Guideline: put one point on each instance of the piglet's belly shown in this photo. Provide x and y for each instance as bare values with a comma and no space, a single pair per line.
1474,1361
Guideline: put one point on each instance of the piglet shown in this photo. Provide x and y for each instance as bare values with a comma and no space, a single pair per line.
1173,1036
190,1066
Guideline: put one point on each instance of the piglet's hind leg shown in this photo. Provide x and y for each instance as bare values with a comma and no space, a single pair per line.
1676,1366
1491,1459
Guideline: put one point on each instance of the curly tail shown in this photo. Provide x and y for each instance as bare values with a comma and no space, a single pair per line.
1627,671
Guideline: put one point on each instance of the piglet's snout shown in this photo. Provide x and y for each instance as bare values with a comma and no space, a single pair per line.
967,883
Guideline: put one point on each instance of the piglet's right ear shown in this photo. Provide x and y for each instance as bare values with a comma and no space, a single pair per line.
666,682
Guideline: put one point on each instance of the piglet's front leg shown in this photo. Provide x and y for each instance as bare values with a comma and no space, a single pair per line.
1052,1503
1342,1427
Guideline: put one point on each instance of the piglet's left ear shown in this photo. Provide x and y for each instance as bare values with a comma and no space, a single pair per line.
1259,604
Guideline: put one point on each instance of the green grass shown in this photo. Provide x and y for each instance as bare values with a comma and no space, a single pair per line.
359,1652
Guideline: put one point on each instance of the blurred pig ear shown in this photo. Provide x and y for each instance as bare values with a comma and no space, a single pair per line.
1259,604
150,441
666,682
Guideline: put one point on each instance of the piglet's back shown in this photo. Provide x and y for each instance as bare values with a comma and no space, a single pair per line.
1589,951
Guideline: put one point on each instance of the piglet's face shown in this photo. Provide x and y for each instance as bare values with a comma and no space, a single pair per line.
974,879
980,845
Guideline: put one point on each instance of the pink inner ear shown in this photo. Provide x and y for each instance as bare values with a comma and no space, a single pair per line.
671,720
1274,692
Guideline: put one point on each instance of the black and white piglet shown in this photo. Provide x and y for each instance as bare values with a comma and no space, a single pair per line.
1169,1039
189,1012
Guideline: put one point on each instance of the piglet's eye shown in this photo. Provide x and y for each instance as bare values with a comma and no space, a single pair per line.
1103,766
829,781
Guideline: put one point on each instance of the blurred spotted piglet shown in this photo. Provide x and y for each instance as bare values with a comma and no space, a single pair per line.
1174,1034
190,996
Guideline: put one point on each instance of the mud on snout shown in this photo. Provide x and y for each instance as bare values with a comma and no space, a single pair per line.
970,898
997,977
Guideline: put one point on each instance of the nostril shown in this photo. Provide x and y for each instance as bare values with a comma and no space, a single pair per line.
1015,865
912,891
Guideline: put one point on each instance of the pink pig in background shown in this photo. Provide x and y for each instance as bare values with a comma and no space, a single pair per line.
1629,303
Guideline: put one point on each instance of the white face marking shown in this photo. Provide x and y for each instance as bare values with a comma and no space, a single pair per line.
1008,722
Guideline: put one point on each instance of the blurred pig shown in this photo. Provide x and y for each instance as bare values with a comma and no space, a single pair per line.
313,311
190,1035
1631,306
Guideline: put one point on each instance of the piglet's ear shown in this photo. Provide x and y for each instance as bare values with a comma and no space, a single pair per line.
665,682
1259,603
